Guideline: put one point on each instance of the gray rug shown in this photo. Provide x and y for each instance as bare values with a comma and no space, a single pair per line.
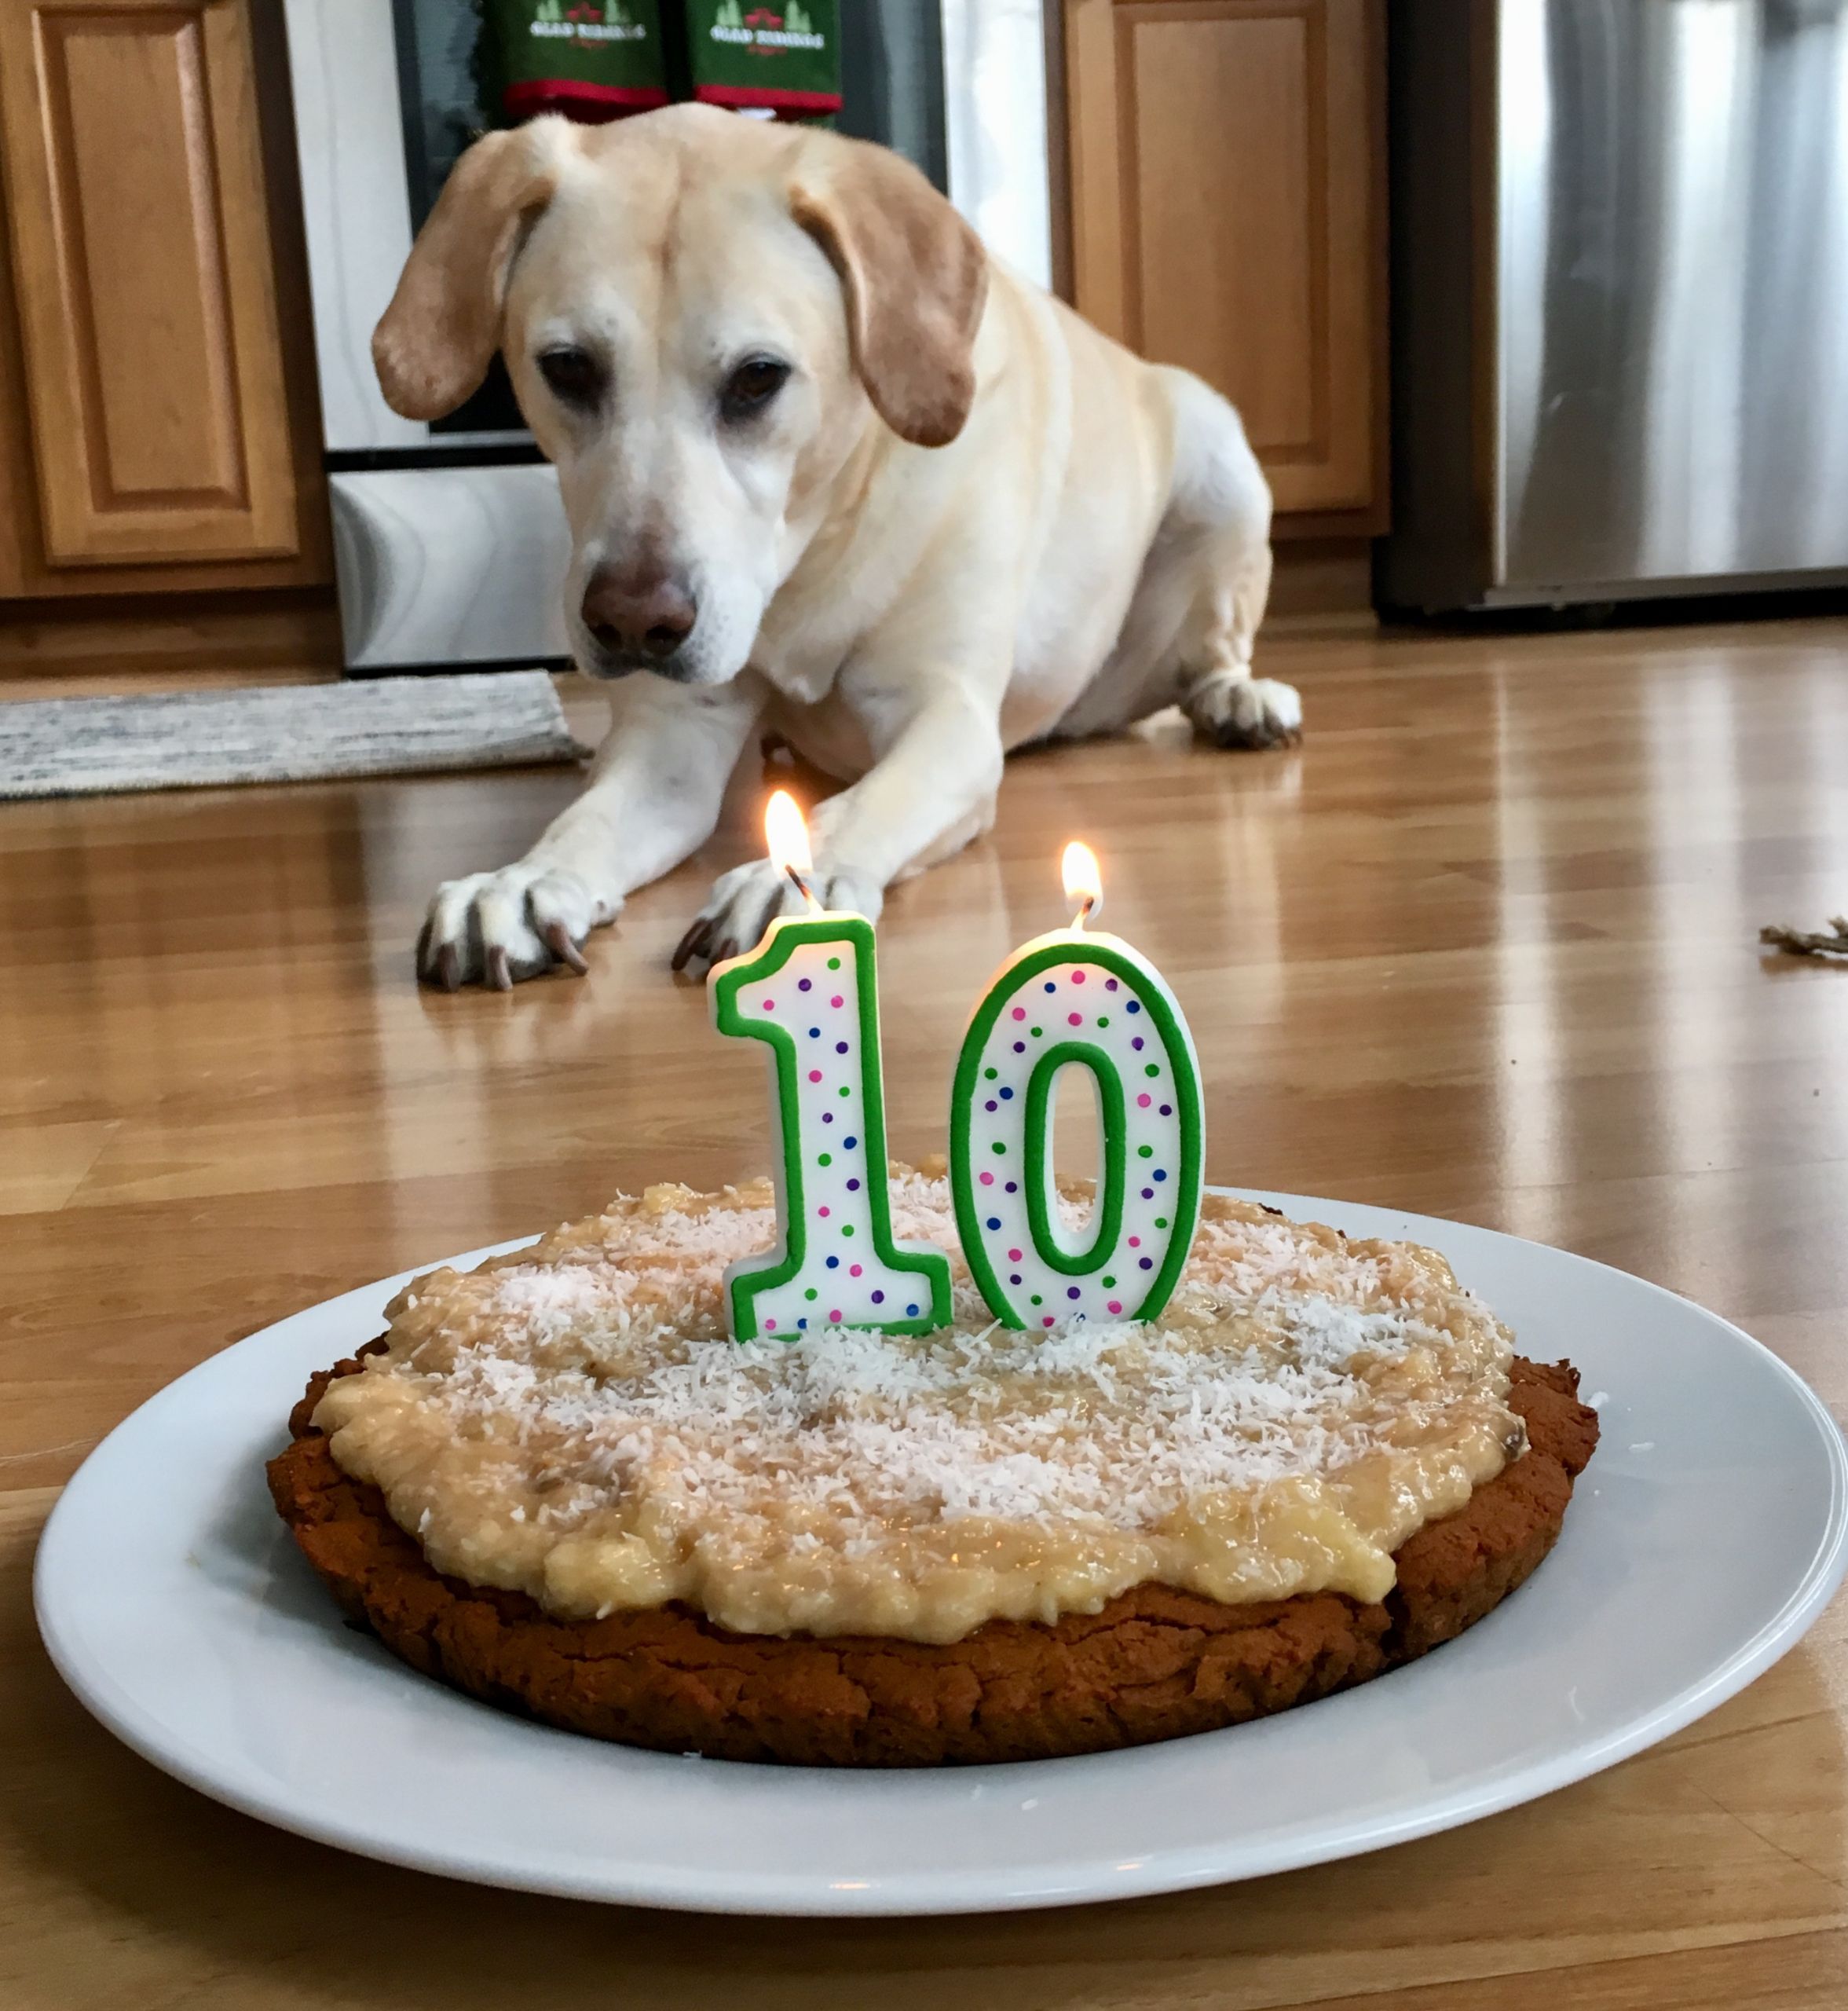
295,733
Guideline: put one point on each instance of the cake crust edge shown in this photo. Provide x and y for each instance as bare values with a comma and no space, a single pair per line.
1154,1664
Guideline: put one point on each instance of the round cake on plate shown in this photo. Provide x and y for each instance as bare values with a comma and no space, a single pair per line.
556,1483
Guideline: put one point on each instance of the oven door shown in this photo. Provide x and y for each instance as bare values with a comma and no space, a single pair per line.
450,545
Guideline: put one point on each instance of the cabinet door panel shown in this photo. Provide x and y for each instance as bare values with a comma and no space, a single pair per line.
1226,212
141,266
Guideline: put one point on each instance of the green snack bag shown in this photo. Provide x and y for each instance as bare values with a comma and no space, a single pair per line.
590,61
784,59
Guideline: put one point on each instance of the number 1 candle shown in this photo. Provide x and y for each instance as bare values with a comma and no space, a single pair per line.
809,990
1077,999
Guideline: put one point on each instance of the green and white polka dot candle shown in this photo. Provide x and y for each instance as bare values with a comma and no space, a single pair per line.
1077,999
809,990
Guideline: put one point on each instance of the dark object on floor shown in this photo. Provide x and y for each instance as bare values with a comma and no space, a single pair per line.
1798,944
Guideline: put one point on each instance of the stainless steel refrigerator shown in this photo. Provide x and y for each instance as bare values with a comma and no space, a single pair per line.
1620,310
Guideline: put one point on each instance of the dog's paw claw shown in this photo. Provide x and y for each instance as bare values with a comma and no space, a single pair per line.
1264,734
694,943
557,937
745,901
496,929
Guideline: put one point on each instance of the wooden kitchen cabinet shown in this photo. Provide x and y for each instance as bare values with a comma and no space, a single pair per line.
1227,204
157,427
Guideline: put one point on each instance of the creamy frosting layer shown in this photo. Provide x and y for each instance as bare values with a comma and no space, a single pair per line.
573,1422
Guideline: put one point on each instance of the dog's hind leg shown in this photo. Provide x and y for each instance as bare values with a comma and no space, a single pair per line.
1218,693
1217,529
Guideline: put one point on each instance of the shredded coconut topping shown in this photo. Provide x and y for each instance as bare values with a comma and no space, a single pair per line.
573,1421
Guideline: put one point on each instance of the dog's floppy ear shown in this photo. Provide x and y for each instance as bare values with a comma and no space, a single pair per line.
915,276
433,345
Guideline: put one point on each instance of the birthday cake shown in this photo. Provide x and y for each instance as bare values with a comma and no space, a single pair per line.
558,1483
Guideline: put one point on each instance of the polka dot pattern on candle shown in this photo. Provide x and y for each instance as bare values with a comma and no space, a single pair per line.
1105,1009
802,993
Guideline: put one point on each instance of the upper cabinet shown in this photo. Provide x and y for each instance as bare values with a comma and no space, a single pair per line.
1227,190
144,326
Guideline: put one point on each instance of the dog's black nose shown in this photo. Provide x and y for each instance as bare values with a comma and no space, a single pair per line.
635,614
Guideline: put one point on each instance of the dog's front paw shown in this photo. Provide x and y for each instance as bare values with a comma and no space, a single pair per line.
745,901
495,928
1246,712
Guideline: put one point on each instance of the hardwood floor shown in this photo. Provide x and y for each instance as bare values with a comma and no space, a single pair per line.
1486,946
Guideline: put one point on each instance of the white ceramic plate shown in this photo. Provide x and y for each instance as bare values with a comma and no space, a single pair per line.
176,1606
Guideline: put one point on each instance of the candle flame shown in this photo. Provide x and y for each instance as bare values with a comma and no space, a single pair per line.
786,839
1084,882
786,834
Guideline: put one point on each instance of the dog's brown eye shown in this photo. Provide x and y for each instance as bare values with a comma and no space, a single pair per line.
751,385
574,374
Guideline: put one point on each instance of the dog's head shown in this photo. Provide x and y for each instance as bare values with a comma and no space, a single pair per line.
697,311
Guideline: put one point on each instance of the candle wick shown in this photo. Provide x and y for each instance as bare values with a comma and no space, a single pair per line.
803,889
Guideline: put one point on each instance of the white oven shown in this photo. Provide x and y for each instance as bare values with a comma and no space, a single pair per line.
449,539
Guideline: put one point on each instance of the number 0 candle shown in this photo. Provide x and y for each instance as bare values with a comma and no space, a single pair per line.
809,990
1077,999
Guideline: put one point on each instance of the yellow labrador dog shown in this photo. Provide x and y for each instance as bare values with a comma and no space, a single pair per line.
831,473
